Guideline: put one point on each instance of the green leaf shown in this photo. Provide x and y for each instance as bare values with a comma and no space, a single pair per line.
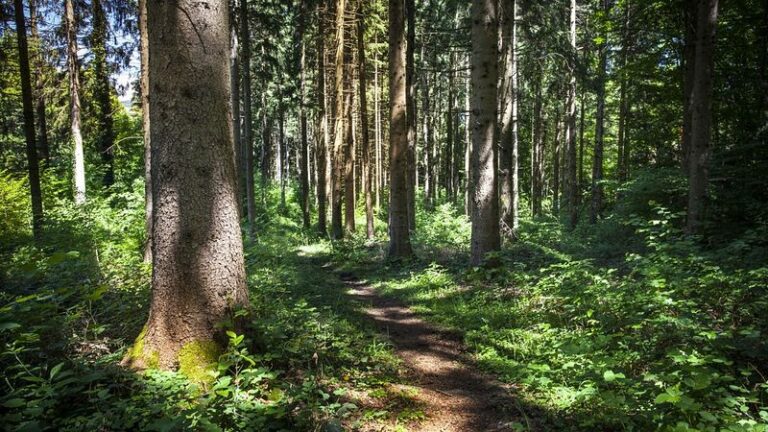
14,403
56,369
9,325
609,376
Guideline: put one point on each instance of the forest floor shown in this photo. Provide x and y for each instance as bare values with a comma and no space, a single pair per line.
446,383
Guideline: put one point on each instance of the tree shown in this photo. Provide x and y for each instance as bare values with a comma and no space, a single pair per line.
144,83
39,93
337,157
366,151
571,179
322,119
245,35
410,108
485,205
74,101
701,114
198,274
508,148
33,169
399,230
304,150
597,162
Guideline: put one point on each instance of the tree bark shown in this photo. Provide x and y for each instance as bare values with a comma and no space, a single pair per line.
701,115
74,101
366,151
349,146
144,82
39,93
337,157
410,82
304,149
102,93
33,169
539,126
234,65
690,14
198,275
556,149
399,233
508,147
322,116
485,205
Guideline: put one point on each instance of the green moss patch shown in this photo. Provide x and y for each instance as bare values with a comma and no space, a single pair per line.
197,361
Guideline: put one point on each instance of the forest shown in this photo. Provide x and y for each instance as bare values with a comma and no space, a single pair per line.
384,215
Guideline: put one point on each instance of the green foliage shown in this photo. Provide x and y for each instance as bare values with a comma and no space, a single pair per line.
15,210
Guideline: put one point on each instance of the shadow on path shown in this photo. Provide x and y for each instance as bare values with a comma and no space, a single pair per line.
454,394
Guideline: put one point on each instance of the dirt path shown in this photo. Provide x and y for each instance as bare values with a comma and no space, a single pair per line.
453,394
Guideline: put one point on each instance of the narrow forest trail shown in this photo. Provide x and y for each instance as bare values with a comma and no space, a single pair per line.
453,394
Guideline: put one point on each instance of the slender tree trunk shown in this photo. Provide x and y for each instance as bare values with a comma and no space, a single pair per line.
74,101
349,146
337,230
366,151
485,204
410,82
581,151
701,115
508,125
281,146
304,149
377,125
467,151
571,181
247,120
539,126
198,272
690,14
429,189
144,82
597,161
449,134
623,145
39,93
33,169
556,149
322,115
399,233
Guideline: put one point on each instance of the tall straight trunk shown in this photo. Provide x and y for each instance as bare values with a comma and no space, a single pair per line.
597,161
485,204
426,108
571,178
304,147
365,141
33,169
450,135
377,126
102,92
467,150
282,149
623,142
349,147
556,149
234,72
39,91
337,158
322,116
410,82
247,120
198,271
539,126
701,115
581,150
508,146
144,83
690,14
399,232
74,101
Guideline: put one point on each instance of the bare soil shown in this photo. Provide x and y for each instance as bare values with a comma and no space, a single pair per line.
449,388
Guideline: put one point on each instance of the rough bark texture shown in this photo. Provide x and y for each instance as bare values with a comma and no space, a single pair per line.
597,161
399,235
102,93
144,83
508,147
537,158
198,274
234,71
485,205
366,151
410,83
701,115
304,149
39,93
689,56
33,169
322,119
74,101
349,148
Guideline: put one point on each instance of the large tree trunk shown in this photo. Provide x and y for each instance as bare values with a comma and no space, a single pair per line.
33,169
322,118
571,180
39,93
349,146
250,198
556,149
74,101
198,274
623,133
701,114
337,157
144,85
537,157
485,204
377,126
508,148
102,92
234,71
690,14
399,233
597,161
366,151
410,82
449,134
